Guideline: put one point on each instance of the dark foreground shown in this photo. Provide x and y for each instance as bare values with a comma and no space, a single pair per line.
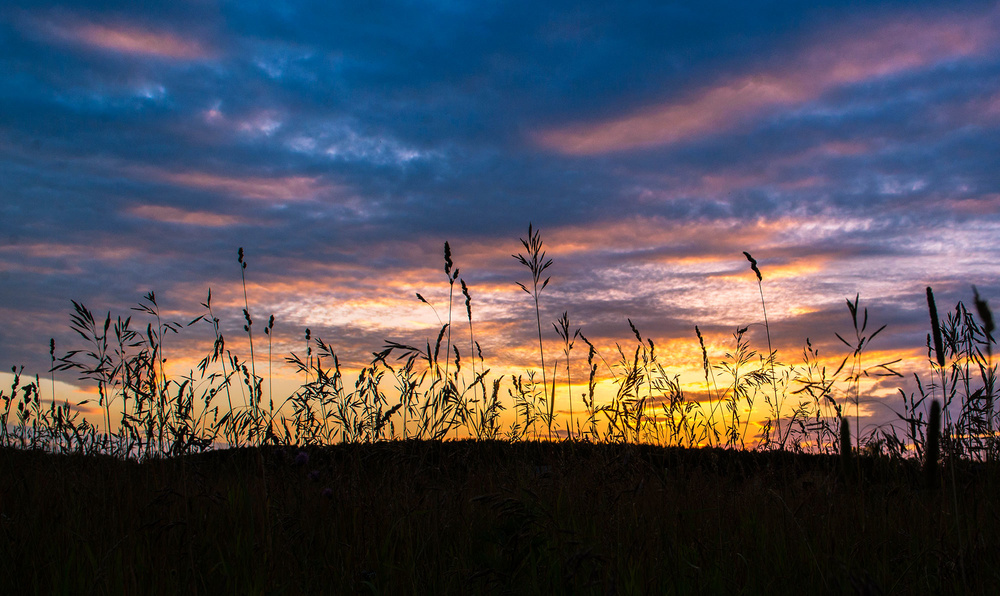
495,518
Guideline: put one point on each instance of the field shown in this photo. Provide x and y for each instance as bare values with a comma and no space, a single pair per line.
458,517
410,479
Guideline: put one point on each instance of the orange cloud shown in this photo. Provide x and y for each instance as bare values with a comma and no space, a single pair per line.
838,58
795,269
165,214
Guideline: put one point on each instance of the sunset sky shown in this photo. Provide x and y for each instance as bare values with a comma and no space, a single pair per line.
850,147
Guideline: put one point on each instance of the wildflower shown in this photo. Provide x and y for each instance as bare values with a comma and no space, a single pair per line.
327,492
302,458
314,475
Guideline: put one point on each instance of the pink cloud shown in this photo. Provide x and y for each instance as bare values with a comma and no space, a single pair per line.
55,250
138,41
165,214
285,188
120,37
706,111
834,58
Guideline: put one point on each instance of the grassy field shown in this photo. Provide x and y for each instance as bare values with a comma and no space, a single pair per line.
199,483
460,517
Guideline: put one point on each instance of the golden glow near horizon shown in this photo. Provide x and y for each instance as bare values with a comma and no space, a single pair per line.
356,310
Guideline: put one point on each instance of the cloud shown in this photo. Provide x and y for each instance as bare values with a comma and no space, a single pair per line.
122,38
850,148
281,188
837,58
165,214
57,251
138,41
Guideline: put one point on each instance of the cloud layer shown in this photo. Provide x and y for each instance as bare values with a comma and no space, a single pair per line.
851,148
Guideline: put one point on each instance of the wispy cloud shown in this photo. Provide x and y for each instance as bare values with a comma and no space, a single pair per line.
61,250
123,38
838,57
279,188
165,214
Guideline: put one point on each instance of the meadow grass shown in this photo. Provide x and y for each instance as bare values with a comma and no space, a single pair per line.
196,483
421,392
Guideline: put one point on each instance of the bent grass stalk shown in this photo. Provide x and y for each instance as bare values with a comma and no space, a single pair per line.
770,350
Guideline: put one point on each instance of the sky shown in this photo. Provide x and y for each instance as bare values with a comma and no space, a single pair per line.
850,147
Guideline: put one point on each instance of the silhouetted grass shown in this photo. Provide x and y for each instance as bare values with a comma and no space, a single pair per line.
348,485
433,395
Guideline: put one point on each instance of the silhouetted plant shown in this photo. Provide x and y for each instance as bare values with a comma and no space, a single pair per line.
933,451
434,396
746,382
534,259
846,461
774,401
589,427
562,328
713,437
250,378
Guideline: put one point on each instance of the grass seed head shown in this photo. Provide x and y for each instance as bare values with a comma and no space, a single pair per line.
935,327
753,265
985,314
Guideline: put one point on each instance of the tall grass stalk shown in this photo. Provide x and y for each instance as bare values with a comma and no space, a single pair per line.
52,360
155,338
473,348
856,370
939,354
269,332
451,272
986,316
933,450
562,328
448,265
589,429
253,385
770,349
534,259
217,355
713,397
